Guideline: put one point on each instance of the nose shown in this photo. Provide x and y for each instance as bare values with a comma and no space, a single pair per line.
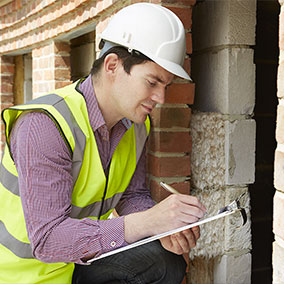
159,96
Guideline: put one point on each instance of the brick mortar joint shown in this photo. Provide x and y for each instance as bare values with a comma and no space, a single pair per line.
219,48
169,179
159,154
172,129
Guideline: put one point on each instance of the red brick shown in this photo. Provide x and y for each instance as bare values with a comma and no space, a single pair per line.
188,39
169,166
61,47
182,93
7,99
62,74
171,117
187,65
278,220
183,2
62,61
6,88
6,105
6,79
6,69
185,15
61,84
7,59
158,193
171,142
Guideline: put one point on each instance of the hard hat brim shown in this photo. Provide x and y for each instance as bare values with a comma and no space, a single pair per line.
172,68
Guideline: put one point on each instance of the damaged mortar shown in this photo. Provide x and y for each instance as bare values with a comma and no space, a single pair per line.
208,150
210,160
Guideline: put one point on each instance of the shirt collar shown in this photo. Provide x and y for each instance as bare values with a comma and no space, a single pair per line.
95,115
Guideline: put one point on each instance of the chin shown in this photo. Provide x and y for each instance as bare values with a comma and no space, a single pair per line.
139,119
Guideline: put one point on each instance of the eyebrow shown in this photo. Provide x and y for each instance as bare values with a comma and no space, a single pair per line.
159,79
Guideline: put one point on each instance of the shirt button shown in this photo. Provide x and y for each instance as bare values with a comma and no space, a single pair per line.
113,244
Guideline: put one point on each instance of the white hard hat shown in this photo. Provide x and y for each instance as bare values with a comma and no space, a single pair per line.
152,30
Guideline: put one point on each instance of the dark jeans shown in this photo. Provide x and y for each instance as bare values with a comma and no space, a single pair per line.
147,264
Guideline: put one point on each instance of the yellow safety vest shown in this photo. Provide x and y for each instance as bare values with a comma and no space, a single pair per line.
93,195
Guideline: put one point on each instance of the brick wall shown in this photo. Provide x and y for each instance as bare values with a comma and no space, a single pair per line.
7,69
51,67
278,220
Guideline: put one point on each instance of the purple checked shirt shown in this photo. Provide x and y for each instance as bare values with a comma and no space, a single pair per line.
44,166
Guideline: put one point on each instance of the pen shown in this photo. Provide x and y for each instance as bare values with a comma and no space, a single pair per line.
168,188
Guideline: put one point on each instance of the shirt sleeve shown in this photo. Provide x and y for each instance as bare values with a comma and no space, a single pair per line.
43,162
137,196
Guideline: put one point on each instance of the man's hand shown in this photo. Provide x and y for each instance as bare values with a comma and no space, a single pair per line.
175,211
182,242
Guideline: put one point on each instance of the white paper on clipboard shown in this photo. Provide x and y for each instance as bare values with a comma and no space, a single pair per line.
159,236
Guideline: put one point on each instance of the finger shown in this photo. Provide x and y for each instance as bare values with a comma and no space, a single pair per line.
190,205
196,232
190,238
192,200
178,246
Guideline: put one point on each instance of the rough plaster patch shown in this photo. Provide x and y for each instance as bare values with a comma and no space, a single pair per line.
208,150
226,235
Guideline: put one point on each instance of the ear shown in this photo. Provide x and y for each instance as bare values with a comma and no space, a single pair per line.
111,64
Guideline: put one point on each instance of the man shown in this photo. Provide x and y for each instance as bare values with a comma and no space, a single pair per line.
76,154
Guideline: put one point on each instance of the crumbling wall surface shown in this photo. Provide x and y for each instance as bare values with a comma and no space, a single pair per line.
208,158
223,135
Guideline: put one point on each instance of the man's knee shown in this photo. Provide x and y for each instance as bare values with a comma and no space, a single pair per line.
170,267
167,267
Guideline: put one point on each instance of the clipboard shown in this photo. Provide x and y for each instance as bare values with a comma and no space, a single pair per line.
232,208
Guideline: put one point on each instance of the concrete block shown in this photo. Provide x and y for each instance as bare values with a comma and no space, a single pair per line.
225,235
224,22
278,167
240,151
278,220
233,269
278,260
237,237
224,81
280,123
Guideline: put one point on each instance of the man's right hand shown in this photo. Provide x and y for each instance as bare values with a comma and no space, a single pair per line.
175,211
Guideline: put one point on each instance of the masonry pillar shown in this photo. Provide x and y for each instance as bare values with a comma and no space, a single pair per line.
51,67
278,221
7,69
223,135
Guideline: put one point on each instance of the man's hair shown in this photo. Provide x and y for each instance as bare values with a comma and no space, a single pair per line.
129,59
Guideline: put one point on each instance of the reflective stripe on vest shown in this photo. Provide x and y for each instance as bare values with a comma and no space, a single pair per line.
10,181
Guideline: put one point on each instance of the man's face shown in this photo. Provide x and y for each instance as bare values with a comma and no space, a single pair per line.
136,94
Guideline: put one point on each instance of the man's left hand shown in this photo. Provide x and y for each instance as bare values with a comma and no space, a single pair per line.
182,242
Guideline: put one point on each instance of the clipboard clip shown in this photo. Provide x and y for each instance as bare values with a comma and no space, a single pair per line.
235,206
